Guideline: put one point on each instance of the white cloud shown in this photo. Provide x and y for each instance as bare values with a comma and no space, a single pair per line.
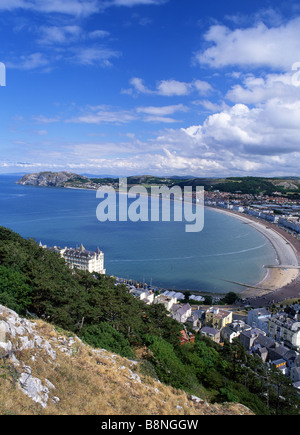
94,56
173,87
68,34
159,114
41,119
59,35
29,62
257,46
72,7
69,7
98,34
202,87
104,114
139,86
163,110
272,129
255,90
130,3
169,88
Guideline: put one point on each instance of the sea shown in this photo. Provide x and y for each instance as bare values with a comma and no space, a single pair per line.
162,254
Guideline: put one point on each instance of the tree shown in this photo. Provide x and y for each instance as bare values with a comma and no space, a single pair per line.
230,298
14,292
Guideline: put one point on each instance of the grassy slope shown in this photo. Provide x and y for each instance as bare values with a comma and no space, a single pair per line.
94,382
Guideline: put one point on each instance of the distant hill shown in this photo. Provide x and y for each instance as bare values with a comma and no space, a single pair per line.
287,186
52,179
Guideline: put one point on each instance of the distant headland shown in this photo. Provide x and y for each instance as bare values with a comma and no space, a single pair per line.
288,187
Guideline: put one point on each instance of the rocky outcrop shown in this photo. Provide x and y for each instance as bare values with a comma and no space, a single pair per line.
51,179
61,375
16,336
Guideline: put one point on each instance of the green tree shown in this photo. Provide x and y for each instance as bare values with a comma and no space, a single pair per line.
106,337
14,292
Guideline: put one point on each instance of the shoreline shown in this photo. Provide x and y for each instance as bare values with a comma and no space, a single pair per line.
276,278
287,253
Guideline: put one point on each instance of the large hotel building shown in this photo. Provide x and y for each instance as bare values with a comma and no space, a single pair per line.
81,258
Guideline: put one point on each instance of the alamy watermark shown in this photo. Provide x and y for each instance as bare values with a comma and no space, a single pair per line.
154,205
2,74
296,75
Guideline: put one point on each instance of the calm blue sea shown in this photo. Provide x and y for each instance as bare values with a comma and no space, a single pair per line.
158,252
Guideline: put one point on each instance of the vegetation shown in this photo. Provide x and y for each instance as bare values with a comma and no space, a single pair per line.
285,186
37,282
244,185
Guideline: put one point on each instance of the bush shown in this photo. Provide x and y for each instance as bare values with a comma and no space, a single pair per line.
106,337
14,292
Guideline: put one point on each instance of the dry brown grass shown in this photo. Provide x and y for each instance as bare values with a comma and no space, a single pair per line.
96,383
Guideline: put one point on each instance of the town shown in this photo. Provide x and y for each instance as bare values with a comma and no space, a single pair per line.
273,335
275,208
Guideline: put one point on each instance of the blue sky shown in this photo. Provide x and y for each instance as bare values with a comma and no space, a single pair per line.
164,87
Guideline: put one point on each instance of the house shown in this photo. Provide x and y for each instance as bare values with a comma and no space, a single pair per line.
280,364
212,333
186,337
217,317
259,318
295,374
249,337
144,295
196,320
197,298
296,385
179,296
285,329
167,301
181,312
233,330
269,350
262,352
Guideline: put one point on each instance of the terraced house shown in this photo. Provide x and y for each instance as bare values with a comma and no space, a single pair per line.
218,318
285,329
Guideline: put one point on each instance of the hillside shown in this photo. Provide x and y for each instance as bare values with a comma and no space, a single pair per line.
37,283
45,371
52,179
246,185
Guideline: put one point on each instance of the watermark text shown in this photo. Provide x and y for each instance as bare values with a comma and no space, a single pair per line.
2,74
155,204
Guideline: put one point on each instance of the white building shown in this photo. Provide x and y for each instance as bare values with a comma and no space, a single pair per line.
167,301
143,295
291,223
284,329
85,260
181,312
259,318
81,258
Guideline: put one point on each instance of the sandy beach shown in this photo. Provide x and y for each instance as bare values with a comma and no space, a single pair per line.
277,278
287,250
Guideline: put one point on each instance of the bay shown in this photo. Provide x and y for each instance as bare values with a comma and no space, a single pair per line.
161,253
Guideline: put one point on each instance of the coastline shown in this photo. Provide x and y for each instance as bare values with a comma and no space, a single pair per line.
287,253
276,278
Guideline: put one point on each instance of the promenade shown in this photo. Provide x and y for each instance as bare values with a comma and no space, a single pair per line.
282,280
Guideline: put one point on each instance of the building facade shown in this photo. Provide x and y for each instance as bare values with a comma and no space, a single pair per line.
92,261
218,318
81,258
286,330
